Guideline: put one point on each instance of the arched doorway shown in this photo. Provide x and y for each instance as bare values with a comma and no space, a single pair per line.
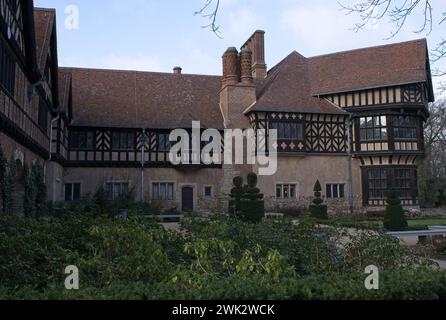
187,199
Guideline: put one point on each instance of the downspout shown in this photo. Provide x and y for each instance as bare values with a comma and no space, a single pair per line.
350,166
51,135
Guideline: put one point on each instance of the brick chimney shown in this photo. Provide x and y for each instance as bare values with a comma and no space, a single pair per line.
230,67
246,66
257,45
177,70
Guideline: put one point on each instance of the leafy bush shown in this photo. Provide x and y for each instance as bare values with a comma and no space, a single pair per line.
220,258
394,218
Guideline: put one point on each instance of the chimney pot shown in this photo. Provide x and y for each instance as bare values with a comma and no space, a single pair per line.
177,70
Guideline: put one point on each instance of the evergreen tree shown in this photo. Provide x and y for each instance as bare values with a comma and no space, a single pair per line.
394,219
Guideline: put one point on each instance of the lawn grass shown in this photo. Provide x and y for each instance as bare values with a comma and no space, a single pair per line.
414,223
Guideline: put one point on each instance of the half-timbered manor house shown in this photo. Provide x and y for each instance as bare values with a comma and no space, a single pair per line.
348,118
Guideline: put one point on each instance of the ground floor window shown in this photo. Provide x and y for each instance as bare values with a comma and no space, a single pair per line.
286,191
381,179
116,189
335,191
72,192
163,191
208,192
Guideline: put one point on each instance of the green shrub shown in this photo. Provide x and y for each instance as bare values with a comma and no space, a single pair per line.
317,209
394,218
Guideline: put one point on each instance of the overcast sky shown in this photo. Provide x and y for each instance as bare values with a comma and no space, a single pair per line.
156,35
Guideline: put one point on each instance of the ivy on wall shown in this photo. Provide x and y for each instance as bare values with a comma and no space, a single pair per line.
34,199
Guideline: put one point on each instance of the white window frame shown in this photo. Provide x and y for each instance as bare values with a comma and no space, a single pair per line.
204,192
114,182
287,184
72,190
152,190
338,184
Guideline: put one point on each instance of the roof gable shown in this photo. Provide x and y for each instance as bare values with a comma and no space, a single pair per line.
288,88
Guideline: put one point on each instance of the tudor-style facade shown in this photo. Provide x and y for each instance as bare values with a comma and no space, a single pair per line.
362,109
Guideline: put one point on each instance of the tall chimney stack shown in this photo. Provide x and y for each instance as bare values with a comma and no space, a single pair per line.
230,67
246,65
257,45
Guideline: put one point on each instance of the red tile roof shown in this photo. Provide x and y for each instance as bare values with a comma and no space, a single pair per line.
144,99
44,20
381,66
288,88
296,83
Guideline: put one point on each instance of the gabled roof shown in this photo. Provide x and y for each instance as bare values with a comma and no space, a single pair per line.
44,20
381,66
296,83
288,88
64,91
113,98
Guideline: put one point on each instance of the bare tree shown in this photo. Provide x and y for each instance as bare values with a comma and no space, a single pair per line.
210,11
398,12
433,167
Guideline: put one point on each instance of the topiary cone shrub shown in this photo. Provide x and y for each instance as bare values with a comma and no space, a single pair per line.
317,209
394,218
247,202
236,196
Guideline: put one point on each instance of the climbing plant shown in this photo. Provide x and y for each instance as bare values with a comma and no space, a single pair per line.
8,187
3,166
35,190
39,182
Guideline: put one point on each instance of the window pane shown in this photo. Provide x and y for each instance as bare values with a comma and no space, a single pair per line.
170,195
116,140
341,191
68,192
292,191
155,194
335,191
76,192
90,140
279,191
163,191
328,191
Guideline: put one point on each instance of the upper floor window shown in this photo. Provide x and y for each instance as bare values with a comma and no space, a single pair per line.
123,141
7,69
373,128
82,140
163,142
405,128
43,115
288,130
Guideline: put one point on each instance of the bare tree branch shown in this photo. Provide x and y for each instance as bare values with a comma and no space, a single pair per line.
210,11
398,12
